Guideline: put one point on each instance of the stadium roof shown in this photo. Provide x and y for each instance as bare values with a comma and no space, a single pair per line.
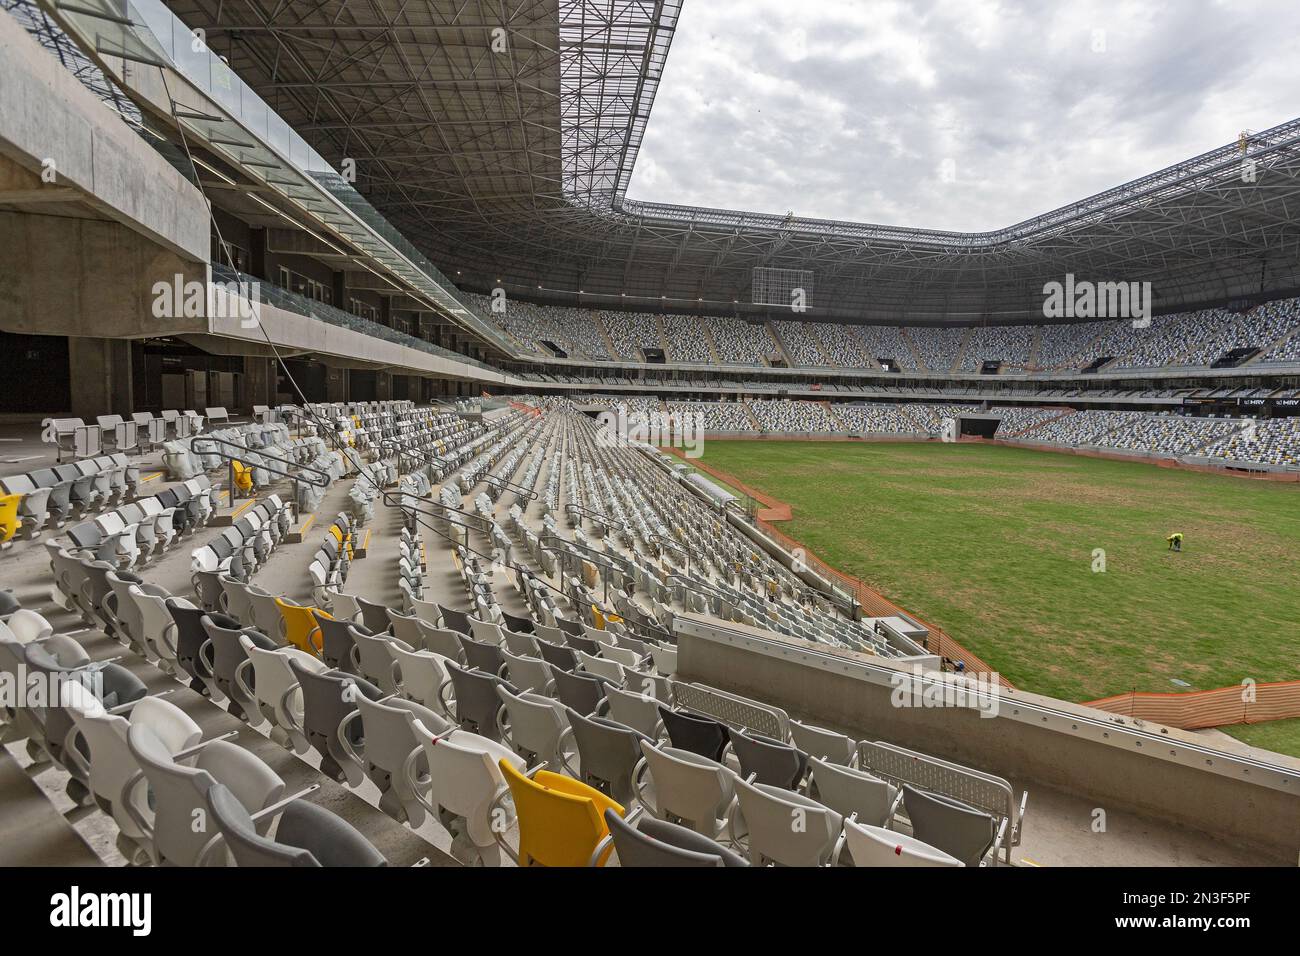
510,166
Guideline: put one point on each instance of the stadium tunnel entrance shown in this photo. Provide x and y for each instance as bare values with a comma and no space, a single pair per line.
978,426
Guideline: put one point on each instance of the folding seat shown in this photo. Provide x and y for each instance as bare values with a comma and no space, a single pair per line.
338,649
208,589
952,827
454,620
852,793
520,625
190,638
767,812
611,671
101,481
767,761
373,616
406,628
638,711
464,777
345,607
688,789
665,659
10,523
328,698
608,754
582,644
107,761
264,608
27,626
375,659
561,821
585,693
421,674
299,627
528,673
32,503
157,640
305,835
486,631
275,687
483,656
562,658
323,582
59,500
521,645
81,493
657,843
115,476
531,725
177,790
826,744
699,735
234,600
475,703
410,594
223,654
112,683
873,846
28,721
394,759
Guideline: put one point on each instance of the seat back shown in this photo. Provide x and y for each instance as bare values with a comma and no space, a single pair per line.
561,820
534,722
688,787
958,830
849,791
636,848
827,744
699,735
768,761
609,752
874,846
768,812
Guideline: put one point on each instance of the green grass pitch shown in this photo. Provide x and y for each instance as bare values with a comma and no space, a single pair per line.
998,546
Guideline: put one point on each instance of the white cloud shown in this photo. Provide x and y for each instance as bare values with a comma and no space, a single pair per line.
954,114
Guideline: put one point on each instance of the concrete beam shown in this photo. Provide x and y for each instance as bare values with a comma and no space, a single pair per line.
49,121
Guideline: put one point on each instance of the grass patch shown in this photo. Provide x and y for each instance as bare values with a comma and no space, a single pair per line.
996,546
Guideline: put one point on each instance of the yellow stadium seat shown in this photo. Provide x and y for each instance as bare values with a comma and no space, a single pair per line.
300,627
344,540
561,820
243,475
9,523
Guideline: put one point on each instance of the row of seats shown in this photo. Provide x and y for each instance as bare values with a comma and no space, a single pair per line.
1196,339
50,497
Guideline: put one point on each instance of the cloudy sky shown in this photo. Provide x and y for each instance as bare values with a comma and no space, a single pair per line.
954,114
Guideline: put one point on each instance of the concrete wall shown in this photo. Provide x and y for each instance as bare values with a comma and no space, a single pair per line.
1152,770
45,113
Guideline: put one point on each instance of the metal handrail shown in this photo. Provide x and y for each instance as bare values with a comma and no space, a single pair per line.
321,479
571,507
519,490
387,497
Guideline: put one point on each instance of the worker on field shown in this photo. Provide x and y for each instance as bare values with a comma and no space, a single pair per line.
1175,541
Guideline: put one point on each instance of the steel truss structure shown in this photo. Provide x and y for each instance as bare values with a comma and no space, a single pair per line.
500,137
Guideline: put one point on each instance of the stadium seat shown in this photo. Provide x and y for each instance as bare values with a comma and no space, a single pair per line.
656,843
305,835
561,821
874,846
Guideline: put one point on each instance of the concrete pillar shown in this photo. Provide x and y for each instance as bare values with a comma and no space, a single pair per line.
383,386
386,310
341,290
99,377
258,261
